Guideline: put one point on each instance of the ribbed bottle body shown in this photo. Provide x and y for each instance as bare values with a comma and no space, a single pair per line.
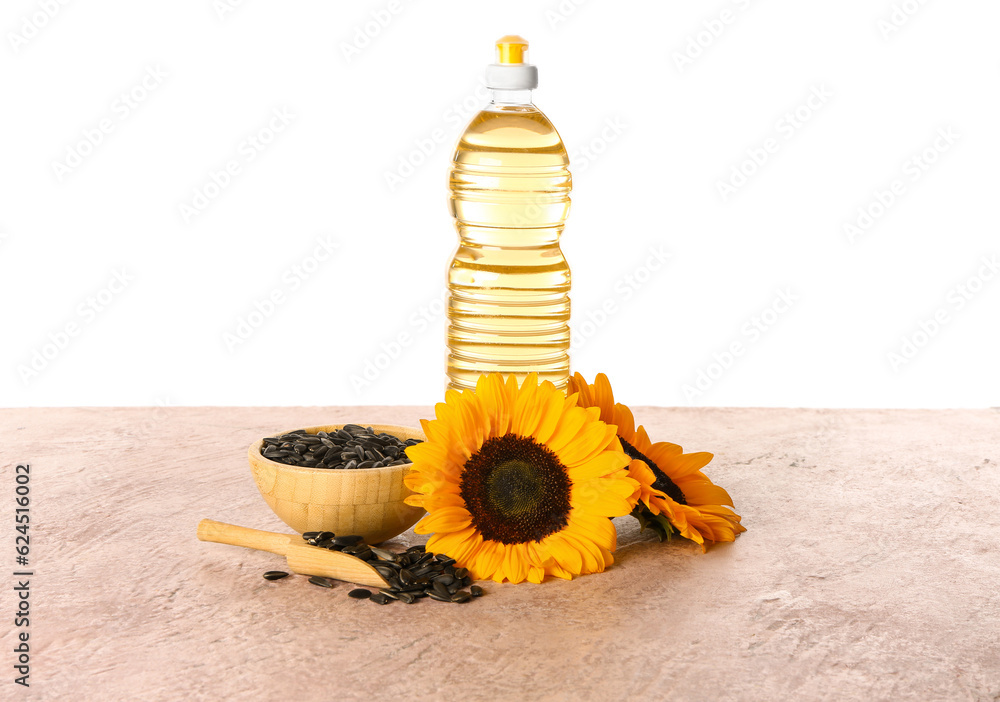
509,284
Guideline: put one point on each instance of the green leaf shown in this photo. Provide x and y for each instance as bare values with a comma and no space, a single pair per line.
659,524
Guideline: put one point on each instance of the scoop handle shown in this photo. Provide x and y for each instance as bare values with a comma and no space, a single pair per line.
222,533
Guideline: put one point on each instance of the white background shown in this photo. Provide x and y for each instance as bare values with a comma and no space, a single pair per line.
657,103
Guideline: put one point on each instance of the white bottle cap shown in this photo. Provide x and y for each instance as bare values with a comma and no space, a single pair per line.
511,72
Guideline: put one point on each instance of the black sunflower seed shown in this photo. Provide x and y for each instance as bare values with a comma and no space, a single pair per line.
461,596
360,593
381,598
275,575
383,554
384,571
321,581
348,540
476,591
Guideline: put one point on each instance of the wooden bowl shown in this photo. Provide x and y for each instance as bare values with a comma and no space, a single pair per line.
366,501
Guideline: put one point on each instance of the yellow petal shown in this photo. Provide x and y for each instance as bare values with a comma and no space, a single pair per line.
677,464
599,530
625,421
551,406
489,559
590,555
603,497
704,492
446,519
604,398
589,442
570,424
447,542
525,416
565,554
599,466
438,500
495,403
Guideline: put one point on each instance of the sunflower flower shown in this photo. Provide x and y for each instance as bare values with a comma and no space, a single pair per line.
519,483
673,494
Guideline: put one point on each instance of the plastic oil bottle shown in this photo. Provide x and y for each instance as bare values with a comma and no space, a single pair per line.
508,308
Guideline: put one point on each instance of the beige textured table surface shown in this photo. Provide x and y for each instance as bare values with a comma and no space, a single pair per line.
870,571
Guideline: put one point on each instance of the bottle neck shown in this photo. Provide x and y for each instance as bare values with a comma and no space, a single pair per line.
510,97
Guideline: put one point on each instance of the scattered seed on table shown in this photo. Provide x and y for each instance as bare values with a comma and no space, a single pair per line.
411,575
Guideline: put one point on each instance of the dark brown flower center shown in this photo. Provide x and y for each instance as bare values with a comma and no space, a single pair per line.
516,490
663,483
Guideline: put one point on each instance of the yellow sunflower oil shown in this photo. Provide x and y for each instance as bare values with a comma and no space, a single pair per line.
508,308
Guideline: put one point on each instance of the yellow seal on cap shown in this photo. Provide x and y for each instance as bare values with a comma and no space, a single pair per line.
511,49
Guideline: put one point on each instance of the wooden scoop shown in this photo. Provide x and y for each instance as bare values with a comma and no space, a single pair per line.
302,558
